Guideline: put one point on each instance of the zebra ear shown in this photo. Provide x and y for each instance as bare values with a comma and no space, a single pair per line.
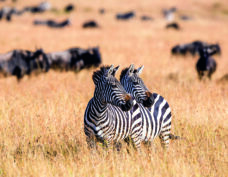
115,70
139,70
130,69
110,71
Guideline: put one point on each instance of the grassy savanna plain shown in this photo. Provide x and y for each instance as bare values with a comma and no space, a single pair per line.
41,117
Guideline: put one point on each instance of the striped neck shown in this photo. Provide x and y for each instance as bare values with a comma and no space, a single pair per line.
100,108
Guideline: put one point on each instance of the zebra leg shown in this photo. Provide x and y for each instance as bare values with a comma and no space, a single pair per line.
136,140
165,136
164,141
117,146
90,138
106,143
148,144
91,141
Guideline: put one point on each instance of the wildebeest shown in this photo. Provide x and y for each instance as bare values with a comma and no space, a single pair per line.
69,8
37,61
185,17
74,59
189,48
90,24
193,48
179,49
52,23
4,13
169,13
7,12
146,18
42,7
102,11
89,57
125,16
206,65
12,64
23,62
173,25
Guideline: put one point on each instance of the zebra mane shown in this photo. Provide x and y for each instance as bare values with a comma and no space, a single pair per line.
99,73
124,72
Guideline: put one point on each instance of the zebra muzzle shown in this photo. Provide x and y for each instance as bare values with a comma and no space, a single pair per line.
129,103
149,101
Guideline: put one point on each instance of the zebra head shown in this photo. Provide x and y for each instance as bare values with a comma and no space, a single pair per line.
134,85
109,90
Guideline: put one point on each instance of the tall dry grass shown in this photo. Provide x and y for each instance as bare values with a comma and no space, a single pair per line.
41,118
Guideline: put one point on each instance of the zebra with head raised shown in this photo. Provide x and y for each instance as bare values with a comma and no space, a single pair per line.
111,115
155,110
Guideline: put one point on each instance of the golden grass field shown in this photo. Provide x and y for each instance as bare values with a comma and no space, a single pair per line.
41,117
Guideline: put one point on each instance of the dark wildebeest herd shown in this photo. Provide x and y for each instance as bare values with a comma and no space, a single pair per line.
24,62
9,12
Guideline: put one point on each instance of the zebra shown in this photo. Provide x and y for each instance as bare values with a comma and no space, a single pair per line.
112,114
155,110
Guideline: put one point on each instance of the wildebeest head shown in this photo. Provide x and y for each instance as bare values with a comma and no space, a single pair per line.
41,60
96,56
214,49
125,16
35,60
203,52
91,57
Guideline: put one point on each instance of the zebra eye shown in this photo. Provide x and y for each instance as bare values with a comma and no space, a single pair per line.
135,83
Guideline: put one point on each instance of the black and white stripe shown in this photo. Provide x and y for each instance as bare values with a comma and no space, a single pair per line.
155,110
111,115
